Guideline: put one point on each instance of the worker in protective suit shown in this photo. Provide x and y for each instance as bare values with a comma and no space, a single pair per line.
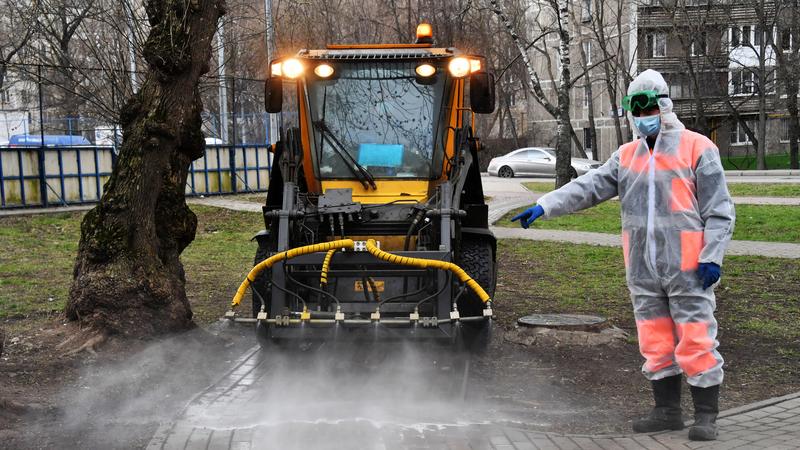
677,219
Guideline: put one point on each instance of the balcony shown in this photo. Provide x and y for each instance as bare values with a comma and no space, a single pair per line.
717,14
715,63
716,106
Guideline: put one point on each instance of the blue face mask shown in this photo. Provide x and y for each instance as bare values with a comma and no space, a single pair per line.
649,125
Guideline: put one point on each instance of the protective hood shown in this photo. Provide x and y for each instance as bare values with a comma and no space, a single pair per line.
652,80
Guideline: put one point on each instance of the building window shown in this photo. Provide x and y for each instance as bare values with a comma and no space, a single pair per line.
586,93
749,36
785,40
5,97
746,31
769,84
762,35
587,50
679,86
657,45
738,135
586,13
783,127
699,44
741,82
734,37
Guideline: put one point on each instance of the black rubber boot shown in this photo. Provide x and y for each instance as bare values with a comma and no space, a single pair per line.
706,408
667,413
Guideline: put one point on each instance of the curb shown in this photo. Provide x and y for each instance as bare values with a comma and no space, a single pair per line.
763,173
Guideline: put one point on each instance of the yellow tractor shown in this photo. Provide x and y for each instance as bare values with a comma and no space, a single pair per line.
376,222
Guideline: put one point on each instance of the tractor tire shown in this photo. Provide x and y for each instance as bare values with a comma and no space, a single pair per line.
261,282
505,172
477,259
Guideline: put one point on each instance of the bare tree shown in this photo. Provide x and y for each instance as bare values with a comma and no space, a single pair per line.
128,275
787,53
561,109
18,26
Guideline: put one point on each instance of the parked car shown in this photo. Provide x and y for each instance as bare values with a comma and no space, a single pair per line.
50,140
535,162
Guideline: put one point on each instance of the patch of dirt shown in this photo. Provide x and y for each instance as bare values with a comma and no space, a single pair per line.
758,365
53,396
52,399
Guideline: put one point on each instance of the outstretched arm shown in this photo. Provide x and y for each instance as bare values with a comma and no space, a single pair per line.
596,186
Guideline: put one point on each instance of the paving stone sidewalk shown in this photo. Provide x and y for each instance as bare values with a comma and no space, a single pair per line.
207,423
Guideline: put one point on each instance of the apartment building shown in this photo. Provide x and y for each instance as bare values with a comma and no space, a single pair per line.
719,60
717,56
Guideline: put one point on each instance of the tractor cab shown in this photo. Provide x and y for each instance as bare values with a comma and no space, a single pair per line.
375,198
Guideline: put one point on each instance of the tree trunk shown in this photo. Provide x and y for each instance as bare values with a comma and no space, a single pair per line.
563,144
128,277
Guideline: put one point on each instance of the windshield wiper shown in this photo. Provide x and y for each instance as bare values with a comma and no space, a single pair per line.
360,172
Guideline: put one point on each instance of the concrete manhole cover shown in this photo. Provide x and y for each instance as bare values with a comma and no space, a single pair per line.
563,321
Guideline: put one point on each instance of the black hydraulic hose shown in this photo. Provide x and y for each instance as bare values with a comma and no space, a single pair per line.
411,229
439,292
303,302
365,289
313,289
409,294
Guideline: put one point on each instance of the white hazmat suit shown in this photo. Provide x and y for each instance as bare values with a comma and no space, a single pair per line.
676,213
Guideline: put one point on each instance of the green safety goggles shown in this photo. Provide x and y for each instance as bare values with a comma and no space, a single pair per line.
641,100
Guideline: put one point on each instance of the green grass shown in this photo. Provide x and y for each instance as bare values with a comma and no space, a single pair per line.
764,189
37,254
538,186
757,298
753,222
749,162
736,189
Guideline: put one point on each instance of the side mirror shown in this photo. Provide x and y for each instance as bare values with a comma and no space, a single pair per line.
481,92
273,95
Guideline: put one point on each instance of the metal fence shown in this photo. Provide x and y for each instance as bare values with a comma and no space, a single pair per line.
52,176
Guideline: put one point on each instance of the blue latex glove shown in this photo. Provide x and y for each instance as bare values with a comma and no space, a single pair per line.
527,217
708,273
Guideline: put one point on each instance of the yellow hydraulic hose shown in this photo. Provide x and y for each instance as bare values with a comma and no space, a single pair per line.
429,263
326,263
289,254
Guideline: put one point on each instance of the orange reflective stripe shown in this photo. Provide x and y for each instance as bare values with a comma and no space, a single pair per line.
627,153
690,146
656,342
682,198
691,244
626,247
693,352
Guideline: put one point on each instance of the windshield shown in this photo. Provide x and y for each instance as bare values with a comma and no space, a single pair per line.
376,121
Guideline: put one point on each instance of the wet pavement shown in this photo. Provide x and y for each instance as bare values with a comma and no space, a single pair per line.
264,403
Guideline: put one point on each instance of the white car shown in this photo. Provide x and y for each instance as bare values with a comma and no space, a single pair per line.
535,162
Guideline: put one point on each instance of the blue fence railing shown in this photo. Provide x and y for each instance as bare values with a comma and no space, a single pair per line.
51,176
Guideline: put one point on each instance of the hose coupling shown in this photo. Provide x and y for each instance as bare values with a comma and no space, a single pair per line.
375,316
414,316
487,312
339,315
454,315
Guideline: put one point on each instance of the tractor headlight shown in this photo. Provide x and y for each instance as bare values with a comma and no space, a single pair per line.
459,67
292,68
425,70
323,70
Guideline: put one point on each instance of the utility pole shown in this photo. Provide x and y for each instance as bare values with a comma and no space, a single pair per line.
273,118
223,91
